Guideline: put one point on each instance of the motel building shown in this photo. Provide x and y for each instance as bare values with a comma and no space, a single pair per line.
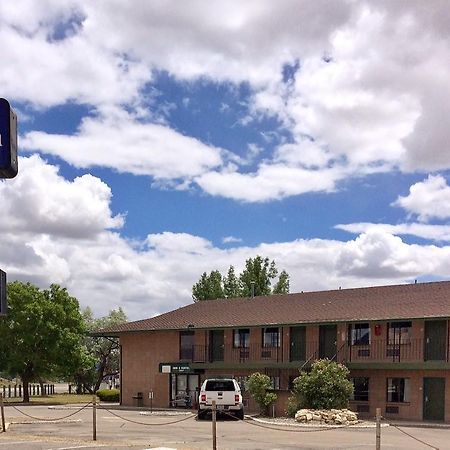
393,339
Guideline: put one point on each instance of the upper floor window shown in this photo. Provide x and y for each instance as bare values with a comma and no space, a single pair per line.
271,337
359,333
399,332
186,344
361,389
398,390
241,338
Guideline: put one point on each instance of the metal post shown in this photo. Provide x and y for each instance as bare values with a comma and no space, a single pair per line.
378,432
2,413
213,420
94,418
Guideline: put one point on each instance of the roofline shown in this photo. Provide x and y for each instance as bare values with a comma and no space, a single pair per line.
288,324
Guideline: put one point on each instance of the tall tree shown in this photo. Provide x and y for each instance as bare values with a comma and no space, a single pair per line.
208,287
41,336
256,279
104,351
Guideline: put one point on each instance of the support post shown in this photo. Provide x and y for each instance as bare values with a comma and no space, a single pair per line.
214,423
378,429
94,418
2,413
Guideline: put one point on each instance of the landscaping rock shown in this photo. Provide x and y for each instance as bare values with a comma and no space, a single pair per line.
333,416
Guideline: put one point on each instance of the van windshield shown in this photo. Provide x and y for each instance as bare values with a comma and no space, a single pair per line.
219,385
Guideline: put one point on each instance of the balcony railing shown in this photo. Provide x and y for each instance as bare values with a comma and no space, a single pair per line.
379,350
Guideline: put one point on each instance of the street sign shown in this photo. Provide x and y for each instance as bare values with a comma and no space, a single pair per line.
2,293
8,140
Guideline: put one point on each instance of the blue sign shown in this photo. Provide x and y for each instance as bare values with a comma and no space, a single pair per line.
8,140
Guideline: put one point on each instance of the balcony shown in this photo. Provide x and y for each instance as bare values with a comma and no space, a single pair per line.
380,351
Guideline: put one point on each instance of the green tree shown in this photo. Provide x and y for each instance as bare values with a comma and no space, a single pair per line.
231,284
326,387
260,388
257,277
41,336
209,287
282,285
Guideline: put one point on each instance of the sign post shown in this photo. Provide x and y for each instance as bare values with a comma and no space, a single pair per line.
2,293
8,140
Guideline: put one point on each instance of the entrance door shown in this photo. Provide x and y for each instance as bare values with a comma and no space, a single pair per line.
434,399
216,345
435,340
184,390
298,343
327,341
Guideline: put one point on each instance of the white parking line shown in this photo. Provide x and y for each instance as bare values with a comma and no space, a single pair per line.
78,446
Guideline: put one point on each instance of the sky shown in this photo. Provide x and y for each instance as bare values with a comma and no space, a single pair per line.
161,139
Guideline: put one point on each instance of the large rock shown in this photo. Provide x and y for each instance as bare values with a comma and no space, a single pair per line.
333,416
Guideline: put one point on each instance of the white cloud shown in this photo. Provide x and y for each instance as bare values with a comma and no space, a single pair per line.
119,141
428,199
425,231
42,201
231,240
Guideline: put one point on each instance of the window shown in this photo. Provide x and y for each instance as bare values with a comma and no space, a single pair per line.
186,344
220,385
271,337
399,333
398,390
361,389
241,338
359,334
275,381
243,382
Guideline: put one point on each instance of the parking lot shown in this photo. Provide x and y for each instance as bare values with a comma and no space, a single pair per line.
129,431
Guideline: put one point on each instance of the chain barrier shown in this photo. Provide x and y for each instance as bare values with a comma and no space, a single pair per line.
146,423
250,421
410,435
44,418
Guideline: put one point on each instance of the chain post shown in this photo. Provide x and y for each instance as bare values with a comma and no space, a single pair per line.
2,412
214,424
94,418
378,429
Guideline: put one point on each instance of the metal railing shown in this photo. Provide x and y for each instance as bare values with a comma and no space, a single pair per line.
378,350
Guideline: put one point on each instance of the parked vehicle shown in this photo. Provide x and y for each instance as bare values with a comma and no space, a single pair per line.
227,394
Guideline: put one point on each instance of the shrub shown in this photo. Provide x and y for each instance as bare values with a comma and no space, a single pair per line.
326,387
108,395
259,386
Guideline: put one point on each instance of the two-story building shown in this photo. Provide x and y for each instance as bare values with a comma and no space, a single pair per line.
394,340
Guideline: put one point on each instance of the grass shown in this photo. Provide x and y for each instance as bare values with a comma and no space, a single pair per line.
54,399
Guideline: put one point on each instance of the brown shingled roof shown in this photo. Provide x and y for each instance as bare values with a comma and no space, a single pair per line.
422,300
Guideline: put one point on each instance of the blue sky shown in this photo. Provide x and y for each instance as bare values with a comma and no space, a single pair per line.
159,141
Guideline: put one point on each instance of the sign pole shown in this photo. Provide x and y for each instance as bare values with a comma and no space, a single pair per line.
94,418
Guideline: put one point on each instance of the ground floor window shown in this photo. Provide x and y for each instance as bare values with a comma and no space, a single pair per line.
275,383
398,390
361,389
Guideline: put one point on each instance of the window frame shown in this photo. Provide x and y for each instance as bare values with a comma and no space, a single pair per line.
356,337
359,397
273,343
398,390
240,333
403,334
189,349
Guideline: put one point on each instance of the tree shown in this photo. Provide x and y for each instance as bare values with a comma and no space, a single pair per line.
208,287
41,336
256,279
103,352
326,387
282,285
260,386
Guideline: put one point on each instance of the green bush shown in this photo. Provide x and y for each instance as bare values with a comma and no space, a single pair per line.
108,395
326,387
260,386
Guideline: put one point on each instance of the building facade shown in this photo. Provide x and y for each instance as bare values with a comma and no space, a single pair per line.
393,339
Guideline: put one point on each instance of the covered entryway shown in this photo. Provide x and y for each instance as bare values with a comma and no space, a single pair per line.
327,341
434,399
184,390
435,340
